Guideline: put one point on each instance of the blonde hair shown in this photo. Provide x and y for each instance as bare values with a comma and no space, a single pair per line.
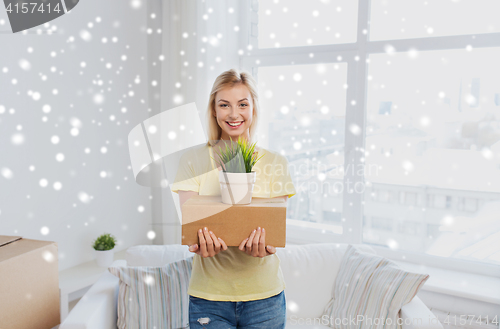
228,79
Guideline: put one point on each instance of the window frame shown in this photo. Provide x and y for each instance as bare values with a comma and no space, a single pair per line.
355,55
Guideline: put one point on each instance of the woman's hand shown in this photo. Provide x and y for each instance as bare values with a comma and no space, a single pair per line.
210,245
255,244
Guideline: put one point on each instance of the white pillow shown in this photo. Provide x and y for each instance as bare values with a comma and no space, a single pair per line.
369,291
154,297
309,271
156,255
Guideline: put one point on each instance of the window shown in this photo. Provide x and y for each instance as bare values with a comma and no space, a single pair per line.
422,111
306,23
380,223
409,227
448,202
402,197
470,204
430,200
407,198
420,121
331,217
419,19
384,196
439,201
303,118
410,198
333,189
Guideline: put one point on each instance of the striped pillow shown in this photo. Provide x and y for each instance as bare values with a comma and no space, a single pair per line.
154,297
371,287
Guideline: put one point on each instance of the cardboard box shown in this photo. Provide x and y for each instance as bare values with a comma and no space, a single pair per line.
29,284
233,223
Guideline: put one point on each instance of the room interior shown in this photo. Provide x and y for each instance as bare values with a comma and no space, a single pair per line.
387,114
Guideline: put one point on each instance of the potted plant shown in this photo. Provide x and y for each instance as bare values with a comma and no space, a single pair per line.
103,247
236,177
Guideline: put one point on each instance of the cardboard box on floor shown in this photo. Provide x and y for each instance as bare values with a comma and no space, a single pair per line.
233,223
29,283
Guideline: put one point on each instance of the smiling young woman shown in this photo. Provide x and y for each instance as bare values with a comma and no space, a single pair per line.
235,286
233,110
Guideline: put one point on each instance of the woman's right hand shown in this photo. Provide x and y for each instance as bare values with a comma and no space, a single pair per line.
210,245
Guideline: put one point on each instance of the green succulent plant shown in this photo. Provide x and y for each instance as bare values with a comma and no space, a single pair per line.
239,157
104,242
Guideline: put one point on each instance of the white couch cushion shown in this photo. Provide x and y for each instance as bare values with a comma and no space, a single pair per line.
156,255
309,272
153,296
369,292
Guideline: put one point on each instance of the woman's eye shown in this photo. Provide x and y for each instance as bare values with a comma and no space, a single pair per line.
225,105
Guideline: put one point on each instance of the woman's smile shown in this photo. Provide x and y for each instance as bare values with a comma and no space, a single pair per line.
234,124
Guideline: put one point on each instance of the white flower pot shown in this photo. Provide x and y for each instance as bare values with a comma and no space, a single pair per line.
104,258
237,188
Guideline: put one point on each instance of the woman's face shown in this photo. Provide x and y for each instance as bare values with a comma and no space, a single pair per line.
234,111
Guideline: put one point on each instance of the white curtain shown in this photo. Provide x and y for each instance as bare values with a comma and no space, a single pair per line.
199,42
209,46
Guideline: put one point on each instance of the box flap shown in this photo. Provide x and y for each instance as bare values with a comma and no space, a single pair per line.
20,246
5,239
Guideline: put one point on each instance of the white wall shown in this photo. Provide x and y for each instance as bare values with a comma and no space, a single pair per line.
25,206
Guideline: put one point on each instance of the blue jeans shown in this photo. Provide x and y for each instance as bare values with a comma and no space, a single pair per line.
269,313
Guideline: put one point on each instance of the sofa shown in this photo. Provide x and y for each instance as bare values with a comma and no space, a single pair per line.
309,271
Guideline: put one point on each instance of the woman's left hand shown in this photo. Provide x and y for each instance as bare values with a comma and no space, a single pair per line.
255,244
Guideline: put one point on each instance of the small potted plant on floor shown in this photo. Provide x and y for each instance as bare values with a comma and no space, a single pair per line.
236,177
103,247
